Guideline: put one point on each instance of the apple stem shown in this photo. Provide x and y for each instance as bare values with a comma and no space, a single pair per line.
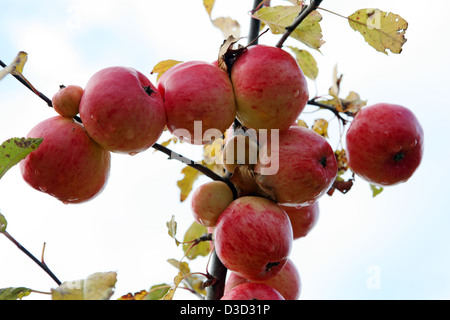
306,10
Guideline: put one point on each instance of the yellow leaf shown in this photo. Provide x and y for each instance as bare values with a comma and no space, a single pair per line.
136,296
209,5
383,31
278,18
183,267
186,184
302,123
321,127
228,26
306,62
16,67
176,281
163,66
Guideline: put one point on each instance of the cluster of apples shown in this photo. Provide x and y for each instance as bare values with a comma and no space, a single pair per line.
120,110
265,90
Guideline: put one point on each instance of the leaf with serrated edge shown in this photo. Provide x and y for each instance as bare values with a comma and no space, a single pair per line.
13,150
306,62
14,293
381,30
278,18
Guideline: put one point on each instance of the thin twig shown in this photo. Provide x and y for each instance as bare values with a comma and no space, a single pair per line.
30,255
313,102
314,4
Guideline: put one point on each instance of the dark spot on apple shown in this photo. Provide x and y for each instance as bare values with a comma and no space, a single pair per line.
399,157
270,265
148,90
323,161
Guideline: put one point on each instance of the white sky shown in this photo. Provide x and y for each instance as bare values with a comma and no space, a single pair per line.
403,233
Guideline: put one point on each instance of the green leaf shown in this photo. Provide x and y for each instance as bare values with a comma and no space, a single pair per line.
306,62
14,293
3,223
278,18
15,149
383,31
98,286
202,248
172,229
157,292
376,190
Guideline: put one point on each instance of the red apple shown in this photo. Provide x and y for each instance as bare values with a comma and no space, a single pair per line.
270,88
287,282
122,110
68,164
302,166
253,237
252,291
199,101
385,144
303,219
67,100
209,201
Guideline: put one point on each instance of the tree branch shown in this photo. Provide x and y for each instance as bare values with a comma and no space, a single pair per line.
217,270
313,102
314,4
39,263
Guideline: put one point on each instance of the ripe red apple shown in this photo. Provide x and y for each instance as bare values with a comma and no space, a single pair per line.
253,237
67,100
68,164
122,110
287,282
252,291
303,219
270,88
385,144
209,200
306,166
199,101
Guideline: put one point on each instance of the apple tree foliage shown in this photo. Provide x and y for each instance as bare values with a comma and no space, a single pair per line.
299,20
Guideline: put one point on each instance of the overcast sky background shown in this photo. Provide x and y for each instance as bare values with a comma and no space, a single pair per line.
400,237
